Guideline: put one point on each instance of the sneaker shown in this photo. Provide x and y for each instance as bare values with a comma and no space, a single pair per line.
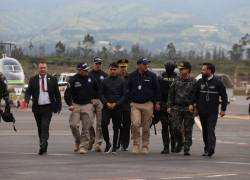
136,149
107,148
145,150
76,148
83,151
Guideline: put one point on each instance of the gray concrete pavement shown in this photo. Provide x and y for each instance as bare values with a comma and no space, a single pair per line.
19,159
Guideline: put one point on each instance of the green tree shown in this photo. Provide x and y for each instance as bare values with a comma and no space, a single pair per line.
236,52
88,46
60,48
171,51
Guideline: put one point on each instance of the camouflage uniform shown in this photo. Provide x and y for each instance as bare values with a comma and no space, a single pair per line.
165,82
180,97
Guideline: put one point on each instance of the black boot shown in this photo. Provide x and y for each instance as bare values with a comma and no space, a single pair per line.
165,150
178,147
186,152
173,146
107,148
210,152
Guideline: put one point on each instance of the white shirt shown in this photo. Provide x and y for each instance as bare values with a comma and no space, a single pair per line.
43,96
211,77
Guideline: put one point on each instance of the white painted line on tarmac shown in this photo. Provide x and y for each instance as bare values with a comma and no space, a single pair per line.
181,177
233,163
50,154
226,162
220,175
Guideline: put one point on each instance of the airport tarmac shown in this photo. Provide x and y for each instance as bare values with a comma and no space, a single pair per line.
19,159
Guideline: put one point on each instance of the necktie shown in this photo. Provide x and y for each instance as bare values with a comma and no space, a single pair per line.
43,86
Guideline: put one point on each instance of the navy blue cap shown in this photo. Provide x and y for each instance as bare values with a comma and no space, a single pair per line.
97,60
185,65
143,61
82,66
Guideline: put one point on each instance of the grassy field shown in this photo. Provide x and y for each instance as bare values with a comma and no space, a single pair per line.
57,65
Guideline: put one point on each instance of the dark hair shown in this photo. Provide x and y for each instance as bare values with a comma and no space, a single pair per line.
41,61
210,66
113,65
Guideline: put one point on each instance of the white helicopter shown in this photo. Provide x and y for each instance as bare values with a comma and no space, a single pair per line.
12,71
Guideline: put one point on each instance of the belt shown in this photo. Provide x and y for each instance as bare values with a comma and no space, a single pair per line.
141,102
44,105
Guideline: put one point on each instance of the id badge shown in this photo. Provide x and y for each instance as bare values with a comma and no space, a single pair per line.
139,87
207,98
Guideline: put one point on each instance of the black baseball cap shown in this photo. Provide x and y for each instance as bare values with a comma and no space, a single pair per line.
82,66
143,61
185,65
97,60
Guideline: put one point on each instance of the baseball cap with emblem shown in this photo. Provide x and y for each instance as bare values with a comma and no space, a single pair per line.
82,66
184,65
143,61
97,60
122,63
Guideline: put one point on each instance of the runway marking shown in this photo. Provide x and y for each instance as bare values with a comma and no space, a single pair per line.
52,154
235,117
234,163
220,175
187,177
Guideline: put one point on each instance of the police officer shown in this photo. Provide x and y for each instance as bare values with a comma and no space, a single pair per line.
96,133
180,106
78,96
144,93
125,109
113,94
208,91
165,81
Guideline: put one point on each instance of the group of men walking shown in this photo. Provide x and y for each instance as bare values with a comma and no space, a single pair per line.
133,102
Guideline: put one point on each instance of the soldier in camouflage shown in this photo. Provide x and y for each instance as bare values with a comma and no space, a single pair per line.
180,106
165,81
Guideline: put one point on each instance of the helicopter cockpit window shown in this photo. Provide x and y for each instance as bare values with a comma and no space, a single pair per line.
8,68
12,68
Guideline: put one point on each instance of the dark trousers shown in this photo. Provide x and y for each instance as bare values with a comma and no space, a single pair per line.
208,123
43,115
115,115
166,131
125,128
249,109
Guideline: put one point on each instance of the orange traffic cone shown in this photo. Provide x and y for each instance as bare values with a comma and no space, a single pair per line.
23,105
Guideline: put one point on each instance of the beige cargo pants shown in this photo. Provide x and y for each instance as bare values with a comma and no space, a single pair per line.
96,137
141,116
81,115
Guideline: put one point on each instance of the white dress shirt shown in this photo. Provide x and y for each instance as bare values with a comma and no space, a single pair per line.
43,96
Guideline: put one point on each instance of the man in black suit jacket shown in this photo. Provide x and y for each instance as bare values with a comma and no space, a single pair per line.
46,99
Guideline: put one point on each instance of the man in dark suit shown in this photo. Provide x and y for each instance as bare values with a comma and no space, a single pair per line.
46,99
